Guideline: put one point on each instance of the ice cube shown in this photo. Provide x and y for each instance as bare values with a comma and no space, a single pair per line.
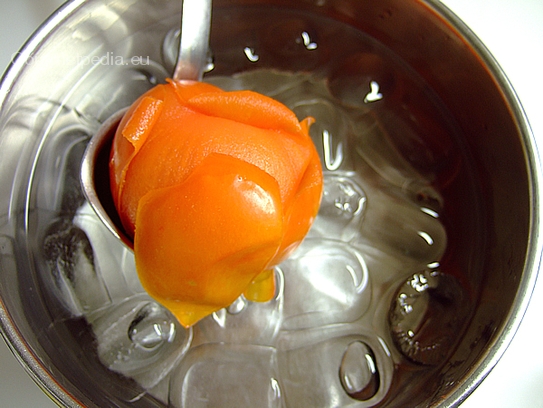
70,259
358,371
326,282
227,376
140,339
333,366
329,130
402,229
244,322
114,262
427,315
342,208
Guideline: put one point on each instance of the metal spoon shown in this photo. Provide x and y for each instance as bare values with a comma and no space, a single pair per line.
194,42
191,62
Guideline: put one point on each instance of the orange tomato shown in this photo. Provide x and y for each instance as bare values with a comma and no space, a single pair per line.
216,188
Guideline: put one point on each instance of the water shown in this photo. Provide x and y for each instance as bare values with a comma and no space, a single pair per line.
220,375
140,339
376,293
358,371
420,317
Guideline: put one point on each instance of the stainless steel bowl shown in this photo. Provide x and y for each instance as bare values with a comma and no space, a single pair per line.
55,79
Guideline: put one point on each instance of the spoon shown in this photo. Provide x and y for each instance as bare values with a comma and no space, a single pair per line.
191,63
194,41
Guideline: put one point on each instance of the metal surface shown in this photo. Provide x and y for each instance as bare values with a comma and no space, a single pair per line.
94,152
194,39
525,285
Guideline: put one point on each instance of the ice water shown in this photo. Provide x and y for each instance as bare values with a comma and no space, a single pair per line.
378,293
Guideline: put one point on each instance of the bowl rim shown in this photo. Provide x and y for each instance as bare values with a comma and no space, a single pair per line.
535,243
8,330
42,377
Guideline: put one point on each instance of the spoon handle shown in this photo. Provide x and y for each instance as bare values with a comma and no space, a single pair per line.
194,41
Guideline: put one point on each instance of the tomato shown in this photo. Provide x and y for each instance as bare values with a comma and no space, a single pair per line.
216,188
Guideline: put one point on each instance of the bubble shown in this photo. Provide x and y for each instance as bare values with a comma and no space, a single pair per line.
427,315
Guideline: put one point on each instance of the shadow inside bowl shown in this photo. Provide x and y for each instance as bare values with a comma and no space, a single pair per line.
95,178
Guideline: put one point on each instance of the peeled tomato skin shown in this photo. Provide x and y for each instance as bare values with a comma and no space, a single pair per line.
249,108
216,188
173,151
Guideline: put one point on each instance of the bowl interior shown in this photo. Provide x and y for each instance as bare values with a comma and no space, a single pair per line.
53,106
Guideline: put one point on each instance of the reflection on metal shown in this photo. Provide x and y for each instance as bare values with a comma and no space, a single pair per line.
430,212
374,94
310,45
250,54
424,235
331,163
